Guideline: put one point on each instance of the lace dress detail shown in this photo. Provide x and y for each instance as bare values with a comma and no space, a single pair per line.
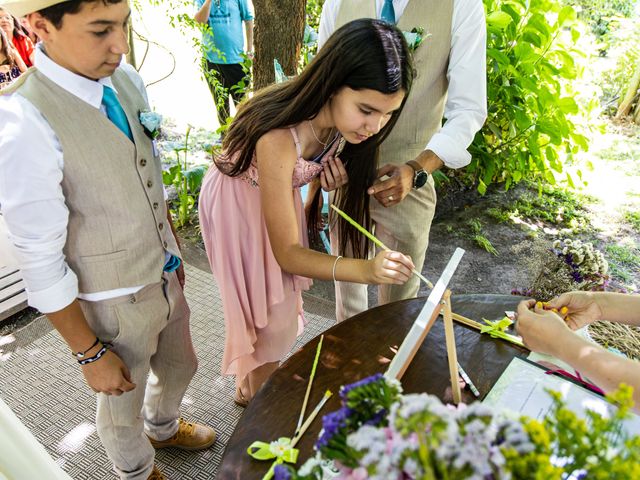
304,170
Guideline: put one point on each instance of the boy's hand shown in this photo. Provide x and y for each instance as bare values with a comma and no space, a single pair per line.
108,375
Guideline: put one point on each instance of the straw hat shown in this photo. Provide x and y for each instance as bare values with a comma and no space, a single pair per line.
20,8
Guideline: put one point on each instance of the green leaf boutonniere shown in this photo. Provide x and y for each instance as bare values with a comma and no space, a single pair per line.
415,37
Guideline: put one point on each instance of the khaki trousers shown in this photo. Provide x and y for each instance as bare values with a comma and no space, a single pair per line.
403,228
149,331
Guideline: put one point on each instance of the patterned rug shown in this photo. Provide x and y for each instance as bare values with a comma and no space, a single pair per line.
41,384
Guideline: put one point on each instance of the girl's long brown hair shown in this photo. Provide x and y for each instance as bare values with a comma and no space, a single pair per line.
6,49
363,54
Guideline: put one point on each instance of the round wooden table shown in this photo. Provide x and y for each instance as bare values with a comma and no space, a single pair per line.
358,348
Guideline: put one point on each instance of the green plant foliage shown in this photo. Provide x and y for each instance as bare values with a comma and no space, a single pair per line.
624,45
602,15
187,182
314,9
622,260
479,238
530,129
633,219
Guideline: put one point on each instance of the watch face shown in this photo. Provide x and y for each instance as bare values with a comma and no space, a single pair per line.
420,179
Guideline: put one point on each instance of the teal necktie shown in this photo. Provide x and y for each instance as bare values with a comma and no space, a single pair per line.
388,12
115,112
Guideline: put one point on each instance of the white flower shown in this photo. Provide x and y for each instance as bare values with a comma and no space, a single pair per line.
310,464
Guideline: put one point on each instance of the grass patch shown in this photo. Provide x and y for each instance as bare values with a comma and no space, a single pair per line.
555,206
633,219
623,260
479,238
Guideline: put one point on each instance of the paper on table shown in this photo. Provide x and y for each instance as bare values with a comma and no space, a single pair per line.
521,388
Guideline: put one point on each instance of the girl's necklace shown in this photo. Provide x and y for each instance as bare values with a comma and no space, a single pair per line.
326,142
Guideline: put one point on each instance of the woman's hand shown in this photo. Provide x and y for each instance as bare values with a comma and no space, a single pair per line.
333,175
581,308
391,267
541,330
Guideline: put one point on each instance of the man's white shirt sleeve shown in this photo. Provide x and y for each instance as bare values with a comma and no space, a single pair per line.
466,107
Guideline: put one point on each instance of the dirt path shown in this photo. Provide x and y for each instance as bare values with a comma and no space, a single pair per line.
611,221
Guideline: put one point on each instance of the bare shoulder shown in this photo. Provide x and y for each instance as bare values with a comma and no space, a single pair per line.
277,143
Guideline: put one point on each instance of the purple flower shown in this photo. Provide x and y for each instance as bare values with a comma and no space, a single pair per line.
331,424
344,391
377,418
281,473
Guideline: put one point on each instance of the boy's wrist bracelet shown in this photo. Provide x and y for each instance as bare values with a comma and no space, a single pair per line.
97,356
81,355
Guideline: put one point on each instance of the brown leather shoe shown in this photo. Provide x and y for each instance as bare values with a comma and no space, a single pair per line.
157,474
190,436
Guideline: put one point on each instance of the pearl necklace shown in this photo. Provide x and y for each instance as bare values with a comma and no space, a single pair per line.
325,143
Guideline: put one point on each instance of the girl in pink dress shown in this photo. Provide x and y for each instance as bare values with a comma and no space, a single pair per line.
345,101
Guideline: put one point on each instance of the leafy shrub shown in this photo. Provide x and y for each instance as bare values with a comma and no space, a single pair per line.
186,181
531,127
601,14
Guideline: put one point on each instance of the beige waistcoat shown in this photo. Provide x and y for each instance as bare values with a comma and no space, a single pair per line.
422,113
117,231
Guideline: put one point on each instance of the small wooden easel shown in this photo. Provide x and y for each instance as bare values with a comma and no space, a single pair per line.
439,302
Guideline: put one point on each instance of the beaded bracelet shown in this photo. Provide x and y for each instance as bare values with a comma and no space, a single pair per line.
80,355
97,356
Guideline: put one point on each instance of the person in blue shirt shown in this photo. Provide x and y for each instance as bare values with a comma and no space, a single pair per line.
223,47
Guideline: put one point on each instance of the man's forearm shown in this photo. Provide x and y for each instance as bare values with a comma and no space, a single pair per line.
248,27
429,161
202,16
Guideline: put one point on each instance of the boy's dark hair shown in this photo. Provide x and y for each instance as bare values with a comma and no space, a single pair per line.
54,13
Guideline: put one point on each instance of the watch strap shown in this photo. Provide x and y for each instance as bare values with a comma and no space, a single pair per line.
415,165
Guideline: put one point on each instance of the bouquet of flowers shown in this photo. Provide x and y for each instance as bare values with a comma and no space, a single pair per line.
575,265
381,434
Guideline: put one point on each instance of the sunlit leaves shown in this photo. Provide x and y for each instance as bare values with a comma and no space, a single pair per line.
531,106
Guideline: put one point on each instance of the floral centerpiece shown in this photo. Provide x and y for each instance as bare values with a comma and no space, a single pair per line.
379,433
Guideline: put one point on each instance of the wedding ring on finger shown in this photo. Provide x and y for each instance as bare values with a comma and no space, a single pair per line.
391,198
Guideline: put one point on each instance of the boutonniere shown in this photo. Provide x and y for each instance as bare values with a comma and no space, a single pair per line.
150,121
415,37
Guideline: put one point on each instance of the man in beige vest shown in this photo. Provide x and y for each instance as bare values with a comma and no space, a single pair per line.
451,82
81,193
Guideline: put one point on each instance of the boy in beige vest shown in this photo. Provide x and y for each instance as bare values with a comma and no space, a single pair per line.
81,193
450,82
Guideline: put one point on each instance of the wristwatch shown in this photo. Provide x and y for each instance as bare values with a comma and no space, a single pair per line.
420,175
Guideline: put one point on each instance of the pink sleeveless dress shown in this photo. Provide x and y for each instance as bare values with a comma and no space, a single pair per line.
262,303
